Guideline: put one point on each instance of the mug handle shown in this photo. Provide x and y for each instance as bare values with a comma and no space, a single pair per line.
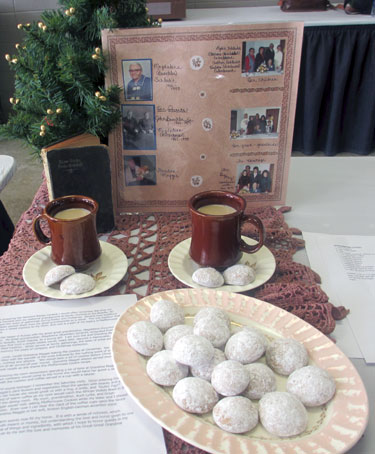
251,248
40,236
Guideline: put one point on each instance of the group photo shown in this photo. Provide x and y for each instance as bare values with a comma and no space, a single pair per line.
262,122
264,57
254,179
138,127
137,76
140,170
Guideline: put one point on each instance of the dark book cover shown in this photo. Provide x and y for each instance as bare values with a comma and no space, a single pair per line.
83,171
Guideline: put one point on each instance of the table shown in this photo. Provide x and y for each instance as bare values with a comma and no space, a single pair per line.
7,169
336,93
321,201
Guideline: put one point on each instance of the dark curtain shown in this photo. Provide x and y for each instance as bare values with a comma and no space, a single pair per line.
336,95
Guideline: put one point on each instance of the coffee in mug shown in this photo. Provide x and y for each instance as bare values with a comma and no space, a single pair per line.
217,217
72,224
72,213
215,209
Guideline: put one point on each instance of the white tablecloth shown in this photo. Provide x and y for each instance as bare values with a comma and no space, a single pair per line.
7,169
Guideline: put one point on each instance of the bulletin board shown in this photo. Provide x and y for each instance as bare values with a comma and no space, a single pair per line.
202,108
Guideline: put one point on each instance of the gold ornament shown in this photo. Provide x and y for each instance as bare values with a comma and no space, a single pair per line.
148,19
146,9
17,100
160,20
102,98
42,133
44,28
72,10
28,24
14,61
40,24
94,56
97,94
67,12
42,128
7,57
49,111
97,50
19,26
59,110
17,46
11,100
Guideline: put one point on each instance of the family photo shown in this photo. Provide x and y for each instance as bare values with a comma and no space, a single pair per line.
262,122
138,127
264,57
254,179
137,75
140,170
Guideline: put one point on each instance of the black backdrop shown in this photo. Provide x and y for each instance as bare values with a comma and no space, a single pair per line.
336,94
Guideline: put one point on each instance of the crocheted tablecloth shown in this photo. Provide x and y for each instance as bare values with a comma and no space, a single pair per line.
147,241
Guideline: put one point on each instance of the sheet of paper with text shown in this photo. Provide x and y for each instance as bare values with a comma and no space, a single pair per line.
59,389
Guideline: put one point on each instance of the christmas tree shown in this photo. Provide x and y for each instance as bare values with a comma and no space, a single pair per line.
59,72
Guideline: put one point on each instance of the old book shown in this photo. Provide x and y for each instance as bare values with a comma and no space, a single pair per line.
83,170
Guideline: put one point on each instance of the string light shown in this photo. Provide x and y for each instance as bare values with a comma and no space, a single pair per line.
49,111
59,110
7,57
102,98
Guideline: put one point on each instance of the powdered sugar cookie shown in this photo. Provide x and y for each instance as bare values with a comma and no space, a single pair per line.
165,314
235,414
312,385
164,370
286,355
245,346
212,312
230,378
57,274
175,333
193,350
205,370
195,395
77,283
213,329
208,277
262,381
239,274
282,414
145,338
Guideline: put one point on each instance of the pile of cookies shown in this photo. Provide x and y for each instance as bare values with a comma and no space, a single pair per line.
70,282
213,369
239,274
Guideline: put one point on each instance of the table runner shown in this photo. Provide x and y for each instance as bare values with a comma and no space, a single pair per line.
147,241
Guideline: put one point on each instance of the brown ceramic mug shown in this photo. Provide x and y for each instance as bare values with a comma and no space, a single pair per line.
216,237
72,223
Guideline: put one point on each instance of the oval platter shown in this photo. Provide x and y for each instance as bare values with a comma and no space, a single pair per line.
332,429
